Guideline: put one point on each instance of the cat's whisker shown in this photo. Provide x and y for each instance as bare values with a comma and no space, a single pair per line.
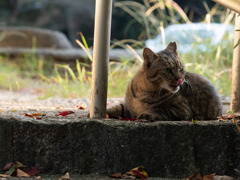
187,82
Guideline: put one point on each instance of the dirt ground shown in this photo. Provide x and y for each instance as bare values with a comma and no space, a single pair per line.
28,102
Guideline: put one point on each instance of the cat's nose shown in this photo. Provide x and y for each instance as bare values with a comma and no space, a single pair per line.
179,82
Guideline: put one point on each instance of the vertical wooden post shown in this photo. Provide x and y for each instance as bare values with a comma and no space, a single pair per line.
103,13
235,95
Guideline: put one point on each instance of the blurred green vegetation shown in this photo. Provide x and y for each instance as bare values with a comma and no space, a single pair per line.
31,73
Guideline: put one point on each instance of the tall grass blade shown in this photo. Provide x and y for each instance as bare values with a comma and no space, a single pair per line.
59,78
79,72
87,51
70,71
84,40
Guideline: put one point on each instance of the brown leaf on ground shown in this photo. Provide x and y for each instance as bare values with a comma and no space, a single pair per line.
134,173
81,107
117,175
231,116
19,170
228,116
35,115
21,173
59,107
4,175
66,176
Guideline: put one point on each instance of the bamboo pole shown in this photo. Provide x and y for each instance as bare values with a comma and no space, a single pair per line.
103,12
235,95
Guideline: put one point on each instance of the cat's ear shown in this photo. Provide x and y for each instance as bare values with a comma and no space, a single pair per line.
148,56
172,46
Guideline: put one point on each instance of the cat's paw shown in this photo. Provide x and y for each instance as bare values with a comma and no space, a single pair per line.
148,117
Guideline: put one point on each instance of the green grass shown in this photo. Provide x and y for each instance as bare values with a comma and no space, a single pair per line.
72,82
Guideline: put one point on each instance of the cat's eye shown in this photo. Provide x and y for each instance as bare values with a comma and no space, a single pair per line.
181,69
167,70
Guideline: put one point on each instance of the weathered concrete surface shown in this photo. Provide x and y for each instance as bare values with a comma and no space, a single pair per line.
165,149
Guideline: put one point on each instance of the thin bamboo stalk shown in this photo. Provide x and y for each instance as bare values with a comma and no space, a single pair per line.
235,95
103,13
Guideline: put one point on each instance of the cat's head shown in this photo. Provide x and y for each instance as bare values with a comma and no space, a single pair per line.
164,68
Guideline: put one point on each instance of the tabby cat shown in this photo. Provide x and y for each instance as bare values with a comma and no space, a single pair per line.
162,90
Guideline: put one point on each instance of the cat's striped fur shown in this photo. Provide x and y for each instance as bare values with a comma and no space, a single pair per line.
162,90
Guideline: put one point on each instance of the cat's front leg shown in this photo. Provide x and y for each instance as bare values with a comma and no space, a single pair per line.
149,116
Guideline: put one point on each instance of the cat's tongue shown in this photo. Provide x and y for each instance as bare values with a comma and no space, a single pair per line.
179,82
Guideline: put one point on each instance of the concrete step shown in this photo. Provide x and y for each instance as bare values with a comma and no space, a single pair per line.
78,144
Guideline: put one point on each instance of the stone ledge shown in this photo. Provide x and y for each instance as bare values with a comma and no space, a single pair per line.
67,55
165,149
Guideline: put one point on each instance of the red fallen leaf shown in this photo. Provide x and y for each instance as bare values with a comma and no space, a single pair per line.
138,172
64,113
80,107
32,172
127,119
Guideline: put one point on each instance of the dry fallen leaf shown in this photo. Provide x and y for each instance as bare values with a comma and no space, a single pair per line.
21,173
19,170
134,173
66,176
4,175
140,172
81,107
35,115
117,175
